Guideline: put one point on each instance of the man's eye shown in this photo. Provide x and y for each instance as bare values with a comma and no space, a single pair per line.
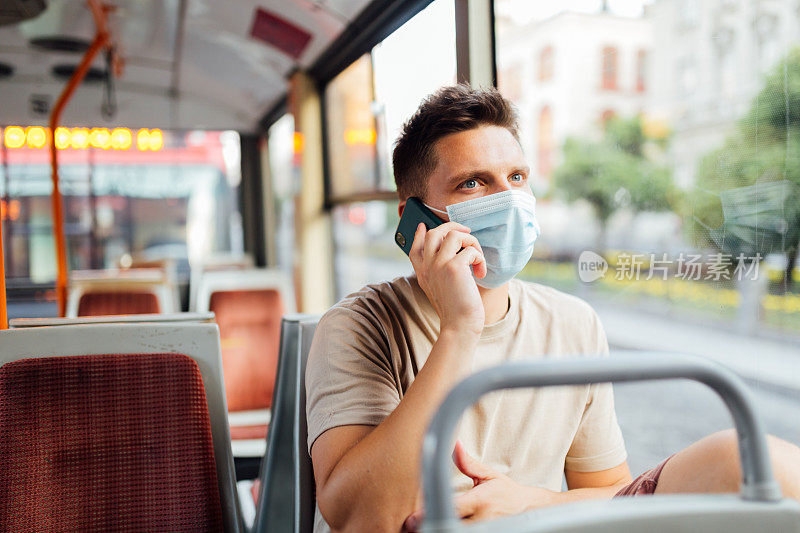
469,184
517,177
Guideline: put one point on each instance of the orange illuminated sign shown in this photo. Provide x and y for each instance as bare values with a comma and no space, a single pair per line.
35,137
299,142
149,139
10,210
83,138
14,137
360,136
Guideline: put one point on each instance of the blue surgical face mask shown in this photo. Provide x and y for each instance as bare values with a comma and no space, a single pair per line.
505,225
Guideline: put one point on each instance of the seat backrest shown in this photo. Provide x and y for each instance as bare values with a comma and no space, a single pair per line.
112,319
111,425
99,303
248,305
216,262
120,292
286,502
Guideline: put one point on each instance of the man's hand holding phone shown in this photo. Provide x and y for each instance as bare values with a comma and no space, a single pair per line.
444,259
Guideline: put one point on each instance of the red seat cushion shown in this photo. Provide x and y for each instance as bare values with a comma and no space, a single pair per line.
249,432
117,303
250,329
106,443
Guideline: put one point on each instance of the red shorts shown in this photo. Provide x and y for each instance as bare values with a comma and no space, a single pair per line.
644,484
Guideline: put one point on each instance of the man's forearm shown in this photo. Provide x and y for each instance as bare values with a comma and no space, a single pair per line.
572,495
376,482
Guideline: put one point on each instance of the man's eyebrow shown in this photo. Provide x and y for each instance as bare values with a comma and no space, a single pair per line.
467,174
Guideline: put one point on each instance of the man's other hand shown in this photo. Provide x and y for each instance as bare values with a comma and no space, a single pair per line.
444,259
491,496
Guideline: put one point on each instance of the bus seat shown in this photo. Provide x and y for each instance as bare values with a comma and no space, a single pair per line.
759,506
117,303
109,319
114,426
215,262
120,292
249,324
287,493
248,304
168,266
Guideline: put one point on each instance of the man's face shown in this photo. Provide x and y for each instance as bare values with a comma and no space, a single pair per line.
475,163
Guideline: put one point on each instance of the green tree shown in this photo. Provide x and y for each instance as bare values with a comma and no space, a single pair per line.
615,172
748,191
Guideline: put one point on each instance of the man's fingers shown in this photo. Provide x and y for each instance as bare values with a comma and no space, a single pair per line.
470,466
466,504
471,257
413,523
455,241
435,237
415,254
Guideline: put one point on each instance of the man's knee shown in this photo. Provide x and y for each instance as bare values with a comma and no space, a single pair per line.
712,465
785,458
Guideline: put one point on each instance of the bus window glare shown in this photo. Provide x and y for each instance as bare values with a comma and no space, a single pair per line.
14,137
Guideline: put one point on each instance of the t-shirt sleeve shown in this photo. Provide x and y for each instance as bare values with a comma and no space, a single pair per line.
598,443
349,380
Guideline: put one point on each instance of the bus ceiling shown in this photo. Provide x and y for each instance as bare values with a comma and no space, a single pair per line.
189,64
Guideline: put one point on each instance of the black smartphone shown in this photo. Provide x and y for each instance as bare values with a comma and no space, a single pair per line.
413,213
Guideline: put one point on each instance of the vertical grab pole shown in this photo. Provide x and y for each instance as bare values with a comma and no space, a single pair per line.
3,303
101,39
3,309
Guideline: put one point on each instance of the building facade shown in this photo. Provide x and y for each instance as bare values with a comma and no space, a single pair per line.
569,73
710,60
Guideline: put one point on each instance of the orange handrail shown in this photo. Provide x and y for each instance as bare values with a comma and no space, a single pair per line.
101,40
3,311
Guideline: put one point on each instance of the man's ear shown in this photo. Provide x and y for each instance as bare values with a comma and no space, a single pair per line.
400,207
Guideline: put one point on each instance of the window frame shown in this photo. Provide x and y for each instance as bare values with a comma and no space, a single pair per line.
609,62
365,43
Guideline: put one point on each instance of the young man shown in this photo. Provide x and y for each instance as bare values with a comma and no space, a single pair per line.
383,358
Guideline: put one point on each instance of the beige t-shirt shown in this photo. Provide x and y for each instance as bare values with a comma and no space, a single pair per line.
368,348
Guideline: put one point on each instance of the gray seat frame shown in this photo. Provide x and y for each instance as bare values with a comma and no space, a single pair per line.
287,496
759,507
200,341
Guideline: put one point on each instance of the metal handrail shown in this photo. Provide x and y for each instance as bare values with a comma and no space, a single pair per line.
758,483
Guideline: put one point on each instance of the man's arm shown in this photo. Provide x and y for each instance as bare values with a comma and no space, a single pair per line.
602,484
367,478
496,495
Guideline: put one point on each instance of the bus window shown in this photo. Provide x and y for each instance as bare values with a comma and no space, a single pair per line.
663,156
365,107
284,148
148,195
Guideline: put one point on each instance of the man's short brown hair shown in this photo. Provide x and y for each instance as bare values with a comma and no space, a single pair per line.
449,110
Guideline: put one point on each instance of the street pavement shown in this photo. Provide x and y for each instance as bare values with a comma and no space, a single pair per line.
659,418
